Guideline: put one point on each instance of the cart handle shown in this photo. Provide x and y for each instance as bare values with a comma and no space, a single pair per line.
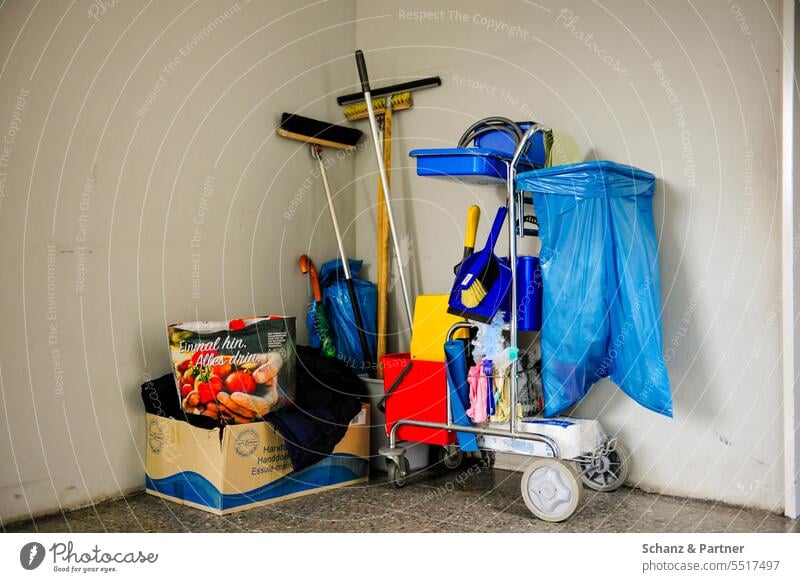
395,384
456,326
524,143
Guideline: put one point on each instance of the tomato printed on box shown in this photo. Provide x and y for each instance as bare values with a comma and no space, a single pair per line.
237,371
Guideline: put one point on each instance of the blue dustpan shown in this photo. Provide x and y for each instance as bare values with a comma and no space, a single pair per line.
473,265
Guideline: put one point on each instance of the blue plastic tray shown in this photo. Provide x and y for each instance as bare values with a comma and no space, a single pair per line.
475,165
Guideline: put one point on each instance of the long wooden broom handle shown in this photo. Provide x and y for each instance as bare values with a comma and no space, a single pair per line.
383,239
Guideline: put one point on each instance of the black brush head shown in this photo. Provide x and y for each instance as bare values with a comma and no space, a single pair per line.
319,131
407,87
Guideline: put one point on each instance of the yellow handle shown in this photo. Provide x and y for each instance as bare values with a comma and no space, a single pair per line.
473,217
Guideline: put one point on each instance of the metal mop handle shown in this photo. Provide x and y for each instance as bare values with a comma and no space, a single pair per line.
362,337
315,151
373,125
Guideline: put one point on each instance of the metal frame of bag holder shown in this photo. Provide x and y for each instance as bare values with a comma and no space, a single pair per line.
514,200
551,485
394,452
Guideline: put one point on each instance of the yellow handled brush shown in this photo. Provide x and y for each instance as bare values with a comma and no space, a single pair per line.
473,218
481,270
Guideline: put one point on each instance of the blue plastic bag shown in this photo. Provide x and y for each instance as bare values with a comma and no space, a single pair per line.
311,324
336,299
599,264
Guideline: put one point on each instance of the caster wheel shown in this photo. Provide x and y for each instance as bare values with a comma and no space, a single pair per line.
606,473
453,456
399,472
487,459
551,489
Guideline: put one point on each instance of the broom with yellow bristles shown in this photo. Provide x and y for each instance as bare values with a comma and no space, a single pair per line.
385,101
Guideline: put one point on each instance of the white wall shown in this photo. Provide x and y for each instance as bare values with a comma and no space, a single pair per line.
790,235
717,200
70,89
84,322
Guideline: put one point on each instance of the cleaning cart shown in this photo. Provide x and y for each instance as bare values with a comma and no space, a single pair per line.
568,452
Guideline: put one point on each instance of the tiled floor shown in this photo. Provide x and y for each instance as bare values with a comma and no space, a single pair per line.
466,500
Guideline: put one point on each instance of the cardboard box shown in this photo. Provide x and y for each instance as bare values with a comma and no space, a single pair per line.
247,468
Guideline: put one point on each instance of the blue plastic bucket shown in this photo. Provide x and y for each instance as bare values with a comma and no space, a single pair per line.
502,142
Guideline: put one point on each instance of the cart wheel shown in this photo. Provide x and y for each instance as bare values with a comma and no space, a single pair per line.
607,473
399,472
453,456
551,489
487,459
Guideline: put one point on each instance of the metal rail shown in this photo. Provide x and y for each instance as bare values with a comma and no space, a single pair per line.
488,431
512,432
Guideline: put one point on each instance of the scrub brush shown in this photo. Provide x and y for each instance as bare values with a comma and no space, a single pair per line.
477,285
359,110
356,108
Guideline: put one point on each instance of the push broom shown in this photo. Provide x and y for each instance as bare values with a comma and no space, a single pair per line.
369,104
320,134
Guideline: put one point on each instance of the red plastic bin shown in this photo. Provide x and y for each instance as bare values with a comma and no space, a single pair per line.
420,396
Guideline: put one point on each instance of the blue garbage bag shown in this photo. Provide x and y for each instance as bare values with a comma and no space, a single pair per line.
336,299
599,264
